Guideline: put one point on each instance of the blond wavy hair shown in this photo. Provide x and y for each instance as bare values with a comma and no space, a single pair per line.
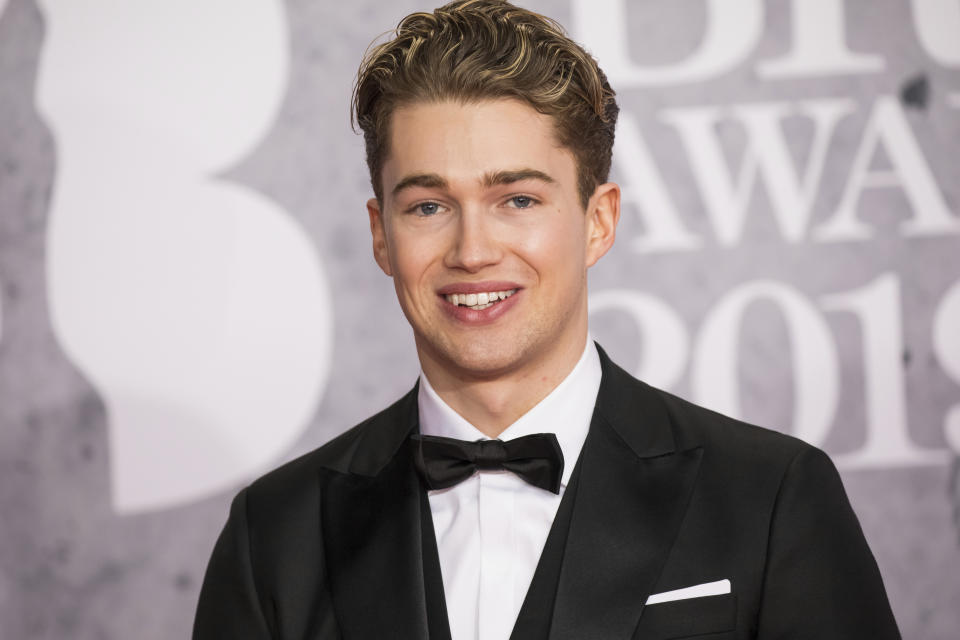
473,50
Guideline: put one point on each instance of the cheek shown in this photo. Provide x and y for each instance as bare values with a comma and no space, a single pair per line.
411,256
556,246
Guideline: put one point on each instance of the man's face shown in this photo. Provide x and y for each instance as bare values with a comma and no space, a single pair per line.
485,237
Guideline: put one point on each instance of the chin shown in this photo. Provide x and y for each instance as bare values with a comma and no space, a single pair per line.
482,358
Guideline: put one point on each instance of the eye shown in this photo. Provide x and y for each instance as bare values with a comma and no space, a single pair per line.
427,209
522,202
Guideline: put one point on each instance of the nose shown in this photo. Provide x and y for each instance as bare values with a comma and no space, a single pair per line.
475,244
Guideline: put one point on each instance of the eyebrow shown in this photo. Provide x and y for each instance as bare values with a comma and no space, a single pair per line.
494,178
428,180
509,177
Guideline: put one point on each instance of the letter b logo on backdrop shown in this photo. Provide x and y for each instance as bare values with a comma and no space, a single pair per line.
197,307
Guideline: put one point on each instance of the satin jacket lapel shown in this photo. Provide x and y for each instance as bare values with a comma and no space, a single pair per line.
371,526
633,492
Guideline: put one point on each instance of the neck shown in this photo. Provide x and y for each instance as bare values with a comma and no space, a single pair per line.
493,403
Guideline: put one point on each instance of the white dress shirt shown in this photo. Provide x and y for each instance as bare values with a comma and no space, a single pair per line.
491,528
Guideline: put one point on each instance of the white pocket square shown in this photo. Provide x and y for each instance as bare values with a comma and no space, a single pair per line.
717,588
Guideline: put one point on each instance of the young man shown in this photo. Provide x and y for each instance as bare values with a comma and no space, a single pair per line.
593,506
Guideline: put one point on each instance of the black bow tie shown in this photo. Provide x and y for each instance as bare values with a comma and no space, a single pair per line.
444,462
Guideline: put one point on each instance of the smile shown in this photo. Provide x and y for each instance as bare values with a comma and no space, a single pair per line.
478,301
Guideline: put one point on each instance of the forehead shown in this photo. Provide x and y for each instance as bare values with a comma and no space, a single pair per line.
464,141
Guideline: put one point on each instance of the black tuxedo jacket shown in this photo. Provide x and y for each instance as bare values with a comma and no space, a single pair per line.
339,543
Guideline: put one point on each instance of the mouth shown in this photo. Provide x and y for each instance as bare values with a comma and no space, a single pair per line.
478,301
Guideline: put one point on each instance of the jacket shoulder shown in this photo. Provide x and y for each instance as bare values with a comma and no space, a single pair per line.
693,423
363,448
661,421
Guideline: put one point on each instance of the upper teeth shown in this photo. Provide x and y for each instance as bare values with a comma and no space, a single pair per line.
479,300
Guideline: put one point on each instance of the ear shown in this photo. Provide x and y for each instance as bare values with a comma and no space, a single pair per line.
381,252
603,213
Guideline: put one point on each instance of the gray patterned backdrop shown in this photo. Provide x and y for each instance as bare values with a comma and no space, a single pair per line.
188,297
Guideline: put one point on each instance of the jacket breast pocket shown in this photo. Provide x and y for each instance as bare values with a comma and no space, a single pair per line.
688,618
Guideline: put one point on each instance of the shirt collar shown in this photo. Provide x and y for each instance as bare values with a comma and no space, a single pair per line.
566,411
